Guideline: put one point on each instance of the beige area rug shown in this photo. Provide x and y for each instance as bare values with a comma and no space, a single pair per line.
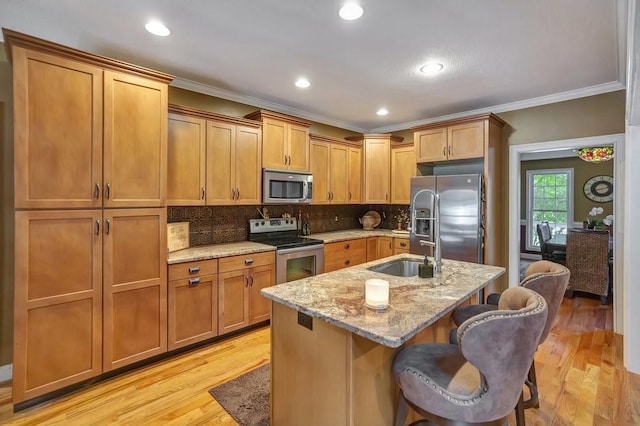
246,398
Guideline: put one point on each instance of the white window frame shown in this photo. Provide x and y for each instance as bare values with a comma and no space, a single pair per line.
530,225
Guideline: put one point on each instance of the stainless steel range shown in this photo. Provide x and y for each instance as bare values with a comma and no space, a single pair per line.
296,257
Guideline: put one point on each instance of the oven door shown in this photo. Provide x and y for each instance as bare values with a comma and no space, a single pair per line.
300,262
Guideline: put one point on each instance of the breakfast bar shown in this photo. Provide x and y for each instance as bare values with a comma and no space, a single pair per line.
331,355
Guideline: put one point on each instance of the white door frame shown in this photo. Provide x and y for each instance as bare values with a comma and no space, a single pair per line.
515,152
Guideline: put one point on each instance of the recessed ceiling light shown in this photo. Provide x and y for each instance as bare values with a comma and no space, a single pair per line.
157,28
350,11
302,83
431,68
382,111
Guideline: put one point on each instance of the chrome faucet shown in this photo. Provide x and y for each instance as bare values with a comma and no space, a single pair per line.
437,254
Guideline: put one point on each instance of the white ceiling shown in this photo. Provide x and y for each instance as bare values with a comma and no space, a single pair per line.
499,54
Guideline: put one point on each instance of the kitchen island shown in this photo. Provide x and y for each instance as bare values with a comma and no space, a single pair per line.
331,356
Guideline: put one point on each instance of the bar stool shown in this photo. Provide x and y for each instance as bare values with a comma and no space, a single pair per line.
468,382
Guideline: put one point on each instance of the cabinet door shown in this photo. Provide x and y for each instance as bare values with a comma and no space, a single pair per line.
135,141
274,137
338,174
58,300
376,174
220,186
248,165
431,145
233,300
466,141
259,306
355,176
135,285
403,168
372,248
298,148
385,247
186,161
193,310
58,131
320,170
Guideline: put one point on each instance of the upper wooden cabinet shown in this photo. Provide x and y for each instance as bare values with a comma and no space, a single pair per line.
376,173
213,159
285,141
89,131
335,166
459,139
403,168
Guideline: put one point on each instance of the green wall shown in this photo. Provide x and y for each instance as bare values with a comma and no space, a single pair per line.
582,171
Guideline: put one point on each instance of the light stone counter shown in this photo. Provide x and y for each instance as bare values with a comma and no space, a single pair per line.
215,251
414,303
350,234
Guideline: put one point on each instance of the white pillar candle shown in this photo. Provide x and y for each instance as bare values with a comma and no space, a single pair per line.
376,293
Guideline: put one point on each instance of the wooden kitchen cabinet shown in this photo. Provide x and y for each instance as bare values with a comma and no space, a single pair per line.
385,247
135,285
401,245
372,248
240,280
224,155
90,134
330,167
285,141
462,139
403,168
343,254
376,170
192,302
354,195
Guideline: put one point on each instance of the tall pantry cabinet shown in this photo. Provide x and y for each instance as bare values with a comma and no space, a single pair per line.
90,139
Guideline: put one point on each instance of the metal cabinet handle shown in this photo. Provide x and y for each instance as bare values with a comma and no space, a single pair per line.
346,262
289,159
246,280
194,281
97,226
107,226
386,196
450,150
202,196
107,192
248,261
251,282
347,246
237,193
194,269
233,193
444,151
285,160
97,191
349,194
403,244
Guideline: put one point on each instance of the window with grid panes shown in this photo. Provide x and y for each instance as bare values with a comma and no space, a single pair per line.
550,199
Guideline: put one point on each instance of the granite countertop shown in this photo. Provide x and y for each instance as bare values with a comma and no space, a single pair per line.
350,234
414,303
215,251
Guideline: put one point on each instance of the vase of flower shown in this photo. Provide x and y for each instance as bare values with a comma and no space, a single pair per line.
399,226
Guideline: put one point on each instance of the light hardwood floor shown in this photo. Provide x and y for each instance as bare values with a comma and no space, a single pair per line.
580,377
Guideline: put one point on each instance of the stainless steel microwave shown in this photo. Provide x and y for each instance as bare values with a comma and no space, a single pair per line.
286,187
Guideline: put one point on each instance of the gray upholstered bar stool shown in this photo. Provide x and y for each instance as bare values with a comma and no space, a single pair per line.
548,279
468,382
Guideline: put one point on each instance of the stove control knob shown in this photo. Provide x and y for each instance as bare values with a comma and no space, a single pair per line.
262,223
256,224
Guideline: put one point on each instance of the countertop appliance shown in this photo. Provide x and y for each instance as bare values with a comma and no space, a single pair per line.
286,187
461,226
296,257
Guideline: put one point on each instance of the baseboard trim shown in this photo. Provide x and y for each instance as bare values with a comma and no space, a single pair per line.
6,372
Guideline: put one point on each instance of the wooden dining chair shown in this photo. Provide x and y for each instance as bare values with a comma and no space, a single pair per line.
549,251
588,261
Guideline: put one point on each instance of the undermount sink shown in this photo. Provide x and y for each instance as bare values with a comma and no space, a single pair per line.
398,268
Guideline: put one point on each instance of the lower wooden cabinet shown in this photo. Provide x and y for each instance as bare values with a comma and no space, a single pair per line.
241,278
193,303
400,245
343,254
385,247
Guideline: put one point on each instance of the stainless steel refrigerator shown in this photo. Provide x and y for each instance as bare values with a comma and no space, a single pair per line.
461,227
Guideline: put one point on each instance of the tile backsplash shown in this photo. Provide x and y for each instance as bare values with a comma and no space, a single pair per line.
226,224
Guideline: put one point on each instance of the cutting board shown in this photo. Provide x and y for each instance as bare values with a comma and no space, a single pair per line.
177,236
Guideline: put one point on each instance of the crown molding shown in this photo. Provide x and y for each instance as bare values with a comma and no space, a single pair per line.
598,89
194,86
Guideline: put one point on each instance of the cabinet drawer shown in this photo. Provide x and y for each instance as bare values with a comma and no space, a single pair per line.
344,254
234,263
400,244
191,269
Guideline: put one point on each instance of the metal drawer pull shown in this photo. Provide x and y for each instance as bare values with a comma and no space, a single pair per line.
248,261
346,262
403,244
194,269
347,246
194,281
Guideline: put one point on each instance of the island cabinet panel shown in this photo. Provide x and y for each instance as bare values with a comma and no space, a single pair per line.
372,248
403,168
58,300
135,285
343,254
241,278
192,302
186,142
385,247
